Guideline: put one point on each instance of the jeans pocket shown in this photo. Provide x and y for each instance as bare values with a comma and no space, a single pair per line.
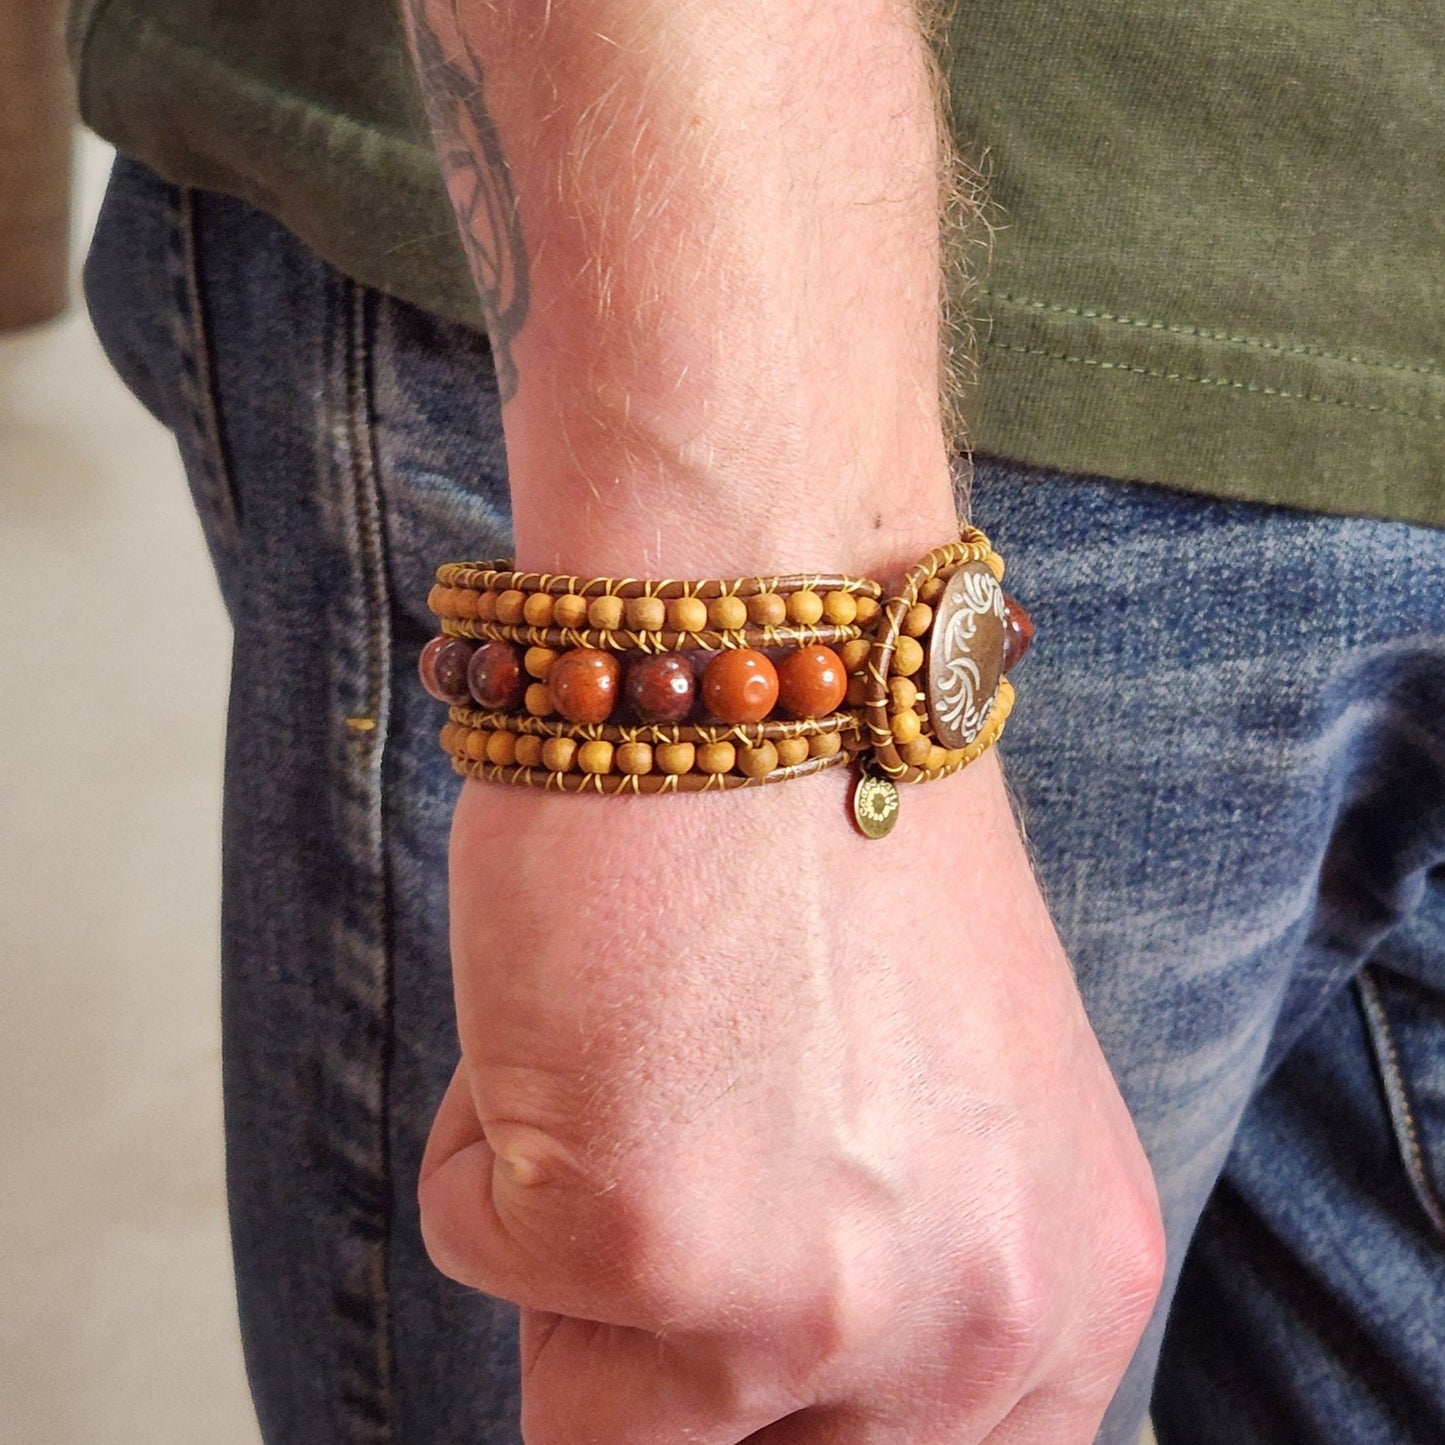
1405,1019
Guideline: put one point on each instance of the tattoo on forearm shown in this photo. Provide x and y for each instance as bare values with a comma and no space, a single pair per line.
476,174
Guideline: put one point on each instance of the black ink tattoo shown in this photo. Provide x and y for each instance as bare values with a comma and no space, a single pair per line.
478,182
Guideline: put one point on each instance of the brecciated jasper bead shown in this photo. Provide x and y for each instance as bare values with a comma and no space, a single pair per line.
812,682
661,688
1018,632
740,686
443,668
584,684
495,677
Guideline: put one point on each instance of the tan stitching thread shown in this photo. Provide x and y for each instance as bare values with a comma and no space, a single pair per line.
1222,382
1174,329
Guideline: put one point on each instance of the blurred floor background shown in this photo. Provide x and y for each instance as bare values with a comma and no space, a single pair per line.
116,1309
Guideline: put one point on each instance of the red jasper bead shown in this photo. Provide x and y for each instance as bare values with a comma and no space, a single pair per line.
1018,632
740,686
812,682
661,689
442,667
495,678
584,684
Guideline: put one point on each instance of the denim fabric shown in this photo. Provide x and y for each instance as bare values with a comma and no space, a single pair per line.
1229,755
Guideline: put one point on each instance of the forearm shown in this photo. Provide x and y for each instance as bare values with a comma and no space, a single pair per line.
706,235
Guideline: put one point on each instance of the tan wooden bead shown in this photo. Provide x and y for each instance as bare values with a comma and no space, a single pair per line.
767,609
468,601
537,609
605,613
687,614
840,608
805,608
502,748
855,654
994,563
915,754
792,751
674,758
937,757
634,759
902,693
727,614
646,614
932,590
907,656
824,745
758,761
917,620
857,693
448,737
486,607
716,758
559,754
906,726
538,661
538,700
868,609
476,746
436,599
569,610
595,756
529,750
510,607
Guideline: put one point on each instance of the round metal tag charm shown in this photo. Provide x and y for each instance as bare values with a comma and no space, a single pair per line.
965,656
875,805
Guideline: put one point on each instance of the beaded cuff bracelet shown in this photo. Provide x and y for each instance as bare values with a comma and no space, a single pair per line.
612,685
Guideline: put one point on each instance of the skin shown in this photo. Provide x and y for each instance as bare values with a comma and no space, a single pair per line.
775,1134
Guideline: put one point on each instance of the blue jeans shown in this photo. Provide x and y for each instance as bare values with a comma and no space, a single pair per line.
1229,755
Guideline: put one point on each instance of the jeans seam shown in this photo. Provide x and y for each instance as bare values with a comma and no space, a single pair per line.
1397,1098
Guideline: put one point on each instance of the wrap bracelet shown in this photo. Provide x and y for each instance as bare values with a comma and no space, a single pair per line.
622,685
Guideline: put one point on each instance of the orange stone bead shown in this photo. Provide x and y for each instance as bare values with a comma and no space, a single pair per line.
812,682
740,686
584,684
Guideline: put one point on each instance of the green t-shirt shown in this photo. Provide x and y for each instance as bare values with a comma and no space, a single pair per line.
1220,262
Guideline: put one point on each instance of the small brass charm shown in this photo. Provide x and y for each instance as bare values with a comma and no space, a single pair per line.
875,805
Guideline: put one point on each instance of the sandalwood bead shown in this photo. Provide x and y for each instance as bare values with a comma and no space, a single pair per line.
449,737
476,746
758,761
804,607
855,654
902,693
646,614
584,684
538,700
767,609
687,614
662,688
605,613
915,754
595,756
494,677
510,606
932,590
812,682
466,602
559,754
917,620
442,668
537,609
529,750
937,757
994,563
727,614
906,726
792,751
868,610
740,686
907,656
502,748
634,759
716,758
569,610
840,608
857,691
538,660
486,607
824,745
674,758
436,599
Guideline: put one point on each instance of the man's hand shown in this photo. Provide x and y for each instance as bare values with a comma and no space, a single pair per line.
780,1135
